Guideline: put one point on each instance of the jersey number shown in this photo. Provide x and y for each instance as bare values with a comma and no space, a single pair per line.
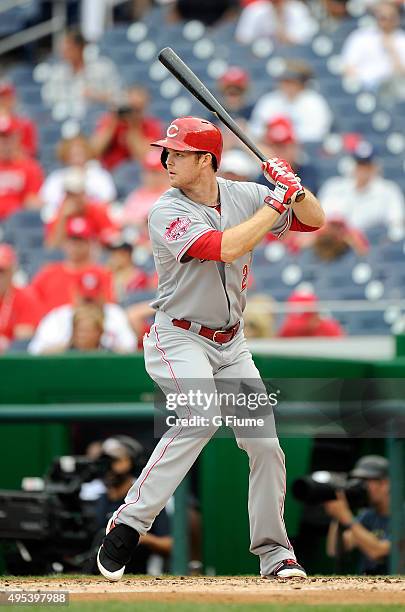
245,274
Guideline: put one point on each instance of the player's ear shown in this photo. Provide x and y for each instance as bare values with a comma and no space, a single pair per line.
207,160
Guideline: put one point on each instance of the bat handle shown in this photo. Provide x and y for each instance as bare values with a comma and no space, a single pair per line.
300,196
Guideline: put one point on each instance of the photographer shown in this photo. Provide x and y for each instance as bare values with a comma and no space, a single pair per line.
125,456
124,134
369,531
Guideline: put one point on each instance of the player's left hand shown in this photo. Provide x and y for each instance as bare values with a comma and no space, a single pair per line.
287,184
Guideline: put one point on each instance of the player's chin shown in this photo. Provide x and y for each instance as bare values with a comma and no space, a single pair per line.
174,181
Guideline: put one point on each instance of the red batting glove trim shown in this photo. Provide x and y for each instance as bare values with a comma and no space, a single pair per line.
275,205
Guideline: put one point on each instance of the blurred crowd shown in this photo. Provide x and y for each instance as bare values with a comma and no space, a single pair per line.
96,276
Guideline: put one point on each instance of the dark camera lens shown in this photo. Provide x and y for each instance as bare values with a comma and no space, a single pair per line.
122,111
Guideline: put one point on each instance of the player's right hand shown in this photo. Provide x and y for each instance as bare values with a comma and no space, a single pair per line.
287,184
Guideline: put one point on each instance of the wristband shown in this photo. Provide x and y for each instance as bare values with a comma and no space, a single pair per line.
274,204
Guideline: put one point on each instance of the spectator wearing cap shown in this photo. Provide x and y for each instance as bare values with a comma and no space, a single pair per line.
233,86
335,239
305,320
293,97
20,177
80,80
364,199
27,132
330,14
128,278
76,203
237,165
125,133
280,140
19,310
56,283
369,531
287,22
62,328
154,182
76,152
375,56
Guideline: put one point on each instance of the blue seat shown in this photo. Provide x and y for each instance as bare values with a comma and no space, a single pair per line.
21,75
29,10
126,178
390,252
114,37
29,238
341,292
30,95
11,22
155,17
223,33
330,86
49,134
137,297
367,323
24,219
18,346
375,235
327,167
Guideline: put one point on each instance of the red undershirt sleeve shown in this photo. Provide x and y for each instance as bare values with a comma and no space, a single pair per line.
299,226
208,247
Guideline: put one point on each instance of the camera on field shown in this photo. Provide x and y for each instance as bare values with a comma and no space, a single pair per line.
48,525
321,486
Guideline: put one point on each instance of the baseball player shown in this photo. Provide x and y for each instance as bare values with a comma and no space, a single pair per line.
203,230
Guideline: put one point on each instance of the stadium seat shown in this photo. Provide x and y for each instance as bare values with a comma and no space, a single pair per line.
21,224
366,323
18,346
137,297
126,178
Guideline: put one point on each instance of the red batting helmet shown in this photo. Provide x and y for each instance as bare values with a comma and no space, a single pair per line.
192,134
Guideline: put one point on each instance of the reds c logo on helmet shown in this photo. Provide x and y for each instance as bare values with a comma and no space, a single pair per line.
172,131
192,134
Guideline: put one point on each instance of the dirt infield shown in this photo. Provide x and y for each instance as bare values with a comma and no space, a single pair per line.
241,589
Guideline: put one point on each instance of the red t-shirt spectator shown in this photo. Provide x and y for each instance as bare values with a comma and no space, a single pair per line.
308,323
100,222
57,284
24,127
28,135
118,151
18,307
19,179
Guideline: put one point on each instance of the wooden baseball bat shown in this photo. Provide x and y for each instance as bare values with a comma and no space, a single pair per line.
186,76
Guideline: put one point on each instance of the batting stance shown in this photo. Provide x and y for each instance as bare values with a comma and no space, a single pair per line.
203,231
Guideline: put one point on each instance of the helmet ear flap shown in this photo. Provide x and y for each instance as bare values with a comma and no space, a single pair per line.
163,158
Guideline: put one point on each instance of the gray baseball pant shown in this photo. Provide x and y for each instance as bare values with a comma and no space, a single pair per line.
179,361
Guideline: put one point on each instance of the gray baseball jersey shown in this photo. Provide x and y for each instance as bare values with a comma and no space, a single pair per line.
207,292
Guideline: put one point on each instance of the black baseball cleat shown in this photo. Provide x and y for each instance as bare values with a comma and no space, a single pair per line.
289,568
116,550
